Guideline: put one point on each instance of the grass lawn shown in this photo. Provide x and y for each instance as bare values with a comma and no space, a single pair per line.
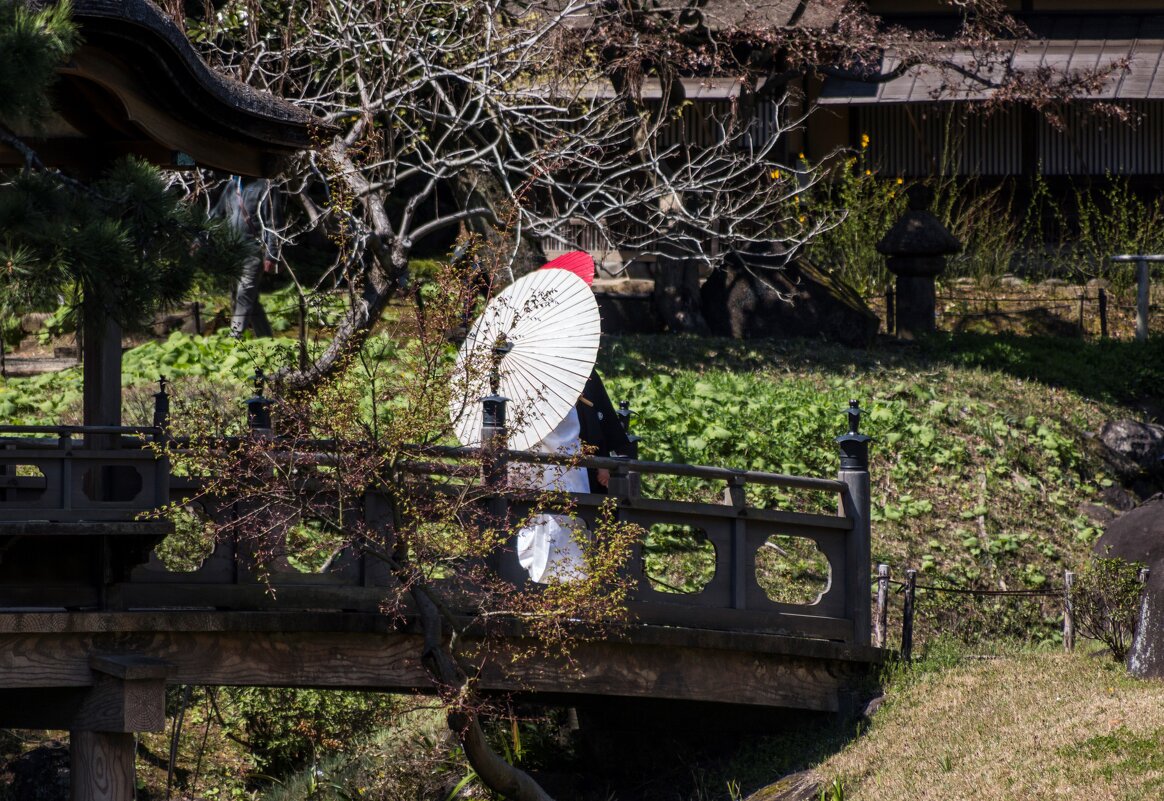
1025,726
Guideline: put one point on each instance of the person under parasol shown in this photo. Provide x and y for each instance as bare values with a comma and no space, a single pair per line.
549,325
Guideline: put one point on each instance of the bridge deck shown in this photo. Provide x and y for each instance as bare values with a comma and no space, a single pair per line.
55,651
90,622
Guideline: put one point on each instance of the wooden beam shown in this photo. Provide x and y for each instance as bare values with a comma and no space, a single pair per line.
267,651
128,695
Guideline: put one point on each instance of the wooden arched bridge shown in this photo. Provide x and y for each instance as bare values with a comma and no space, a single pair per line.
93,626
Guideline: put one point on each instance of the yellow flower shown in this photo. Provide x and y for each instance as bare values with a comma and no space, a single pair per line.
900,181
774,175
868,172
800,156
864,141
802,218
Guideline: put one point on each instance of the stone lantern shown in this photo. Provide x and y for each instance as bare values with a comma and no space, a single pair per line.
915,249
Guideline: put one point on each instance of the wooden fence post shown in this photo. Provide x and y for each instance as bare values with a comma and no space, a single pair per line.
907,615
881,621
1103,312
1068,612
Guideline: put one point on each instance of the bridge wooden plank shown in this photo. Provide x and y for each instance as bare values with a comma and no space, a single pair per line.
362,651
760,621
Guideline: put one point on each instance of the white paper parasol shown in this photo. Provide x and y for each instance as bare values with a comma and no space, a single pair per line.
550,320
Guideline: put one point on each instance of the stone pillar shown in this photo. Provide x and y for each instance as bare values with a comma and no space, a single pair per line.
915,249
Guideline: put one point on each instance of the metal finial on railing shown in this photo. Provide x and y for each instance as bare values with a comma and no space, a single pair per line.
624,416
854,445
161,404
500,349
259,407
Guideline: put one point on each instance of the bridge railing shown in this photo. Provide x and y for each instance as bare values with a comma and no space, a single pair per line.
733,598
78,483
79,473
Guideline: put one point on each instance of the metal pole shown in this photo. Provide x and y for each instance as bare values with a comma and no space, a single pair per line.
1103,312
1068,612
1143,277
1142,300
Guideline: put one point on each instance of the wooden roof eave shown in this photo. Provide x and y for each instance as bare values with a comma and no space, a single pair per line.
192,115
183,144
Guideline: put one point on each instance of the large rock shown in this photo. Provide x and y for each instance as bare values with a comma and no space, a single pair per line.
1138,536
1137,448
755,296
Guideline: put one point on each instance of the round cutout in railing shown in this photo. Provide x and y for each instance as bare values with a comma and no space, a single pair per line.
678,558
111,483
792,570
190,543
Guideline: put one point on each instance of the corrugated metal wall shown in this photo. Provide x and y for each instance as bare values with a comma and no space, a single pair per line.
915,140
1092,144
925,139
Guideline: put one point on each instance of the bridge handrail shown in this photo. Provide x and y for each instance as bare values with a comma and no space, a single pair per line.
78,430
641,466
321,447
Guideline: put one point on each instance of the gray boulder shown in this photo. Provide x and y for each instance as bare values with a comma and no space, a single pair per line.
1137,448
756,296
1138,536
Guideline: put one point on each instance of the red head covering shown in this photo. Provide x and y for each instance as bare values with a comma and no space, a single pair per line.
578,262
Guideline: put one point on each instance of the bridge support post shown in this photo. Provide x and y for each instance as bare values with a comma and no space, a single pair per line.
128,695
855,504
101,766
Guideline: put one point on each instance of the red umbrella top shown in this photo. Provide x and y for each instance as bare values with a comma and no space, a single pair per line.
578,262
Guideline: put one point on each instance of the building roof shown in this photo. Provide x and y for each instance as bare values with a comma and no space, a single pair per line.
723,14
136,85
1066,43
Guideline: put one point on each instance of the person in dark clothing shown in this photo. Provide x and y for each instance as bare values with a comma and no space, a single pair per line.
601,430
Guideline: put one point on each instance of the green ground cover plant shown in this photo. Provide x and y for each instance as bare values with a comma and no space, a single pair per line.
979,468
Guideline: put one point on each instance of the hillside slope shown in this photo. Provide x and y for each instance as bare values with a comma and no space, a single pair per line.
1031,726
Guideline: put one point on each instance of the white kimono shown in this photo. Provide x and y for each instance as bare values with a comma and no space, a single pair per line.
548,547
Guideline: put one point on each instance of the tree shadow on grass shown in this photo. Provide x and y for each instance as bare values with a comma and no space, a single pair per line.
1106,370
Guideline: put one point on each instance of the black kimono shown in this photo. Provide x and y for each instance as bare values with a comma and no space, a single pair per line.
601,429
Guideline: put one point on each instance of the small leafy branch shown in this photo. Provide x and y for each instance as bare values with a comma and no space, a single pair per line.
1106,599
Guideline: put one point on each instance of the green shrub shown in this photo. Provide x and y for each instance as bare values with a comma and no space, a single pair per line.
1106,600
286,729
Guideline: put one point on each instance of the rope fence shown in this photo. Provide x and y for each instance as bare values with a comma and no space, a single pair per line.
1141,310
910,587
1098,307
